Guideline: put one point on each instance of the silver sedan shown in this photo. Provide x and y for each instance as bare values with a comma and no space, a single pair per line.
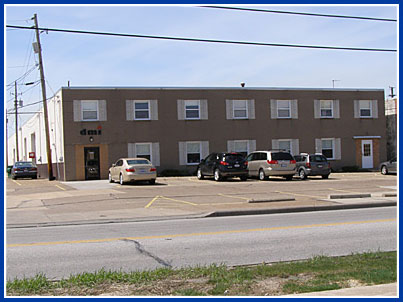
131,170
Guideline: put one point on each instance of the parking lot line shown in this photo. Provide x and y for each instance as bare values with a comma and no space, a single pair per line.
16,182
233,196
61,188
151,202
338,190
177,200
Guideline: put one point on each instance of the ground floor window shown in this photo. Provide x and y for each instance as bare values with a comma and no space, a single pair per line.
328,148
193,153
143,150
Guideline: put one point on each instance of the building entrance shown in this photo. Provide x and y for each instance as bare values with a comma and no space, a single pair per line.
91,163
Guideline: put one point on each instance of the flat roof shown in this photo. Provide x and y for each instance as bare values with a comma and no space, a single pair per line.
214,88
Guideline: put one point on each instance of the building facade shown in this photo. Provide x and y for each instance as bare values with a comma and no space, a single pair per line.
176,127
391,127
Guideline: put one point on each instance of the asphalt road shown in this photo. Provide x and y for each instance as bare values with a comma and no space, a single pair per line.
60,251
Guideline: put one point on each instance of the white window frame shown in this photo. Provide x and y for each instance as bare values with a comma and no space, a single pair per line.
239,142
331,109
150,148
187,153
142,110
82,110
289,109
333,147
370,109
285,140
234,109
198,109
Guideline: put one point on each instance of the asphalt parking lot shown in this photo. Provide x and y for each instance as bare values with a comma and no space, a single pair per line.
41,201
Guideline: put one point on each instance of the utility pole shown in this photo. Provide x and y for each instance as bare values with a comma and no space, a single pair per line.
45,105
6,141
16,121
392,94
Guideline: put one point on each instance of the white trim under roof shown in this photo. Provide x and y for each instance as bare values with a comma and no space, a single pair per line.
375,136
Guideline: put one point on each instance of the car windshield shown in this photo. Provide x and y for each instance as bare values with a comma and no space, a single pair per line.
317,158
138,162
24,164
281,156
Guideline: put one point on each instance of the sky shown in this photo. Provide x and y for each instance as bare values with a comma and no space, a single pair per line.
89,60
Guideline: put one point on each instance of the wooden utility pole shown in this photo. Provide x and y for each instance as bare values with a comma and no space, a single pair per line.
45,105
16,121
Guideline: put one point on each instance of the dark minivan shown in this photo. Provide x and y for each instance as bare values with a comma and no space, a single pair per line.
223,165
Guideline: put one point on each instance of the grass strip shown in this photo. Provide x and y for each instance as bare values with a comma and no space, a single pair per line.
315,274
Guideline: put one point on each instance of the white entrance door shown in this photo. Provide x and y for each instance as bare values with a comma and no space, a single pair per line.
367,154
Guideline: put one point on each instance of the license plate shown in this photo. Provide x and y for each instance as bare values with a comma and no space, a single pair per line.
320,166
236,166
283,165
25,170
142,171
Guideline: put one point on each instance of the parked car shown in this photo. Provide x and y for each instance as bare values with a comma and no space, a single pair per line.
312,165
388,166
24,169
263,164
131,170
223,165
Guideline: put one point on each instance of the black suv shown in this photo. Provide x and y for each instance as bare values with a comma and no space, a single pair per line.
312,164
222,165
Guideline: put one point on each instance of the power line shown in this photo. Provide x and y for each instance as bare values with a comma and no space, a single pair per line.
203,40
300,13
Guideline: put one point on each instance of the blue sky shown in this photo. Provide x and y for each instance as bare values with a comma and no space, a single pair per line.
111,61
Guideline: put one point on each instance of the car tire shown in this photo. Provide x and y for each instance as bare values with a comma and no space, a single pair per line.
244,178
34,177
288,177
199,174
384,170
152,181
325,176
13,177
217,175
302,174
262,176
110,177
121,180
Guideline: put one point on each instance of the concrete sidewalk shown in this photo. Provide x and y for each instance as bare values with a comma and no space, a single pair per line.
381,290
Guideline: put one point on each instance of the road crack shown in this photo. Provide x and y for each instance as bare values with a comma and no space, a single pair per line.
142,251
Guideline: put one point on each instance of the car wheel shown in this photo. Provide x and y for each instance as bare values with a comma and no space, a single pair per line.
199,174
34,177
110,177
217,176
244,178
13,177
384,170
262,176
121,179
325,176
302,174
151,181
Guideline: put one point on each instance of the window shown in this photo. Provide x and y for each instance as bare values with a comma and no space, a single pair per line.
284,145
327,148
240,109
143,150
193,153
283,109
192,109
241,147
141,110
326,108
89,110
365,108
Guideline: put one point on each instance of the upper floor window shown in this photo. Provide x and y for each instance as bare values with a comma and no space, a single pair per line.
141,110
365,108
192,109
283,109
326,108
240,109
89,110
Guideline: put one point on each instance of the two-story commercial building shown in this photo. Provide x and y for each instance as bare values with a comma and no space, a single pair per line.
176,127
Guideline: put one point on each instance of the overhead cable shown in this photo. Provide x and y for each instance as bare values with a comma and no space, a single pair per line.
300,13
202,40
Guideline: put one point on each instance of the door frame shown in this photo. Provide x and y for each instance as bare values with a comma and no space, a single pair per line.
97,150
367,162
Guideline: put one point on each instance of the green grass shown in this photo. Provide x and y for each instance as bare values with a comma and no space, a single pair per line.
316,274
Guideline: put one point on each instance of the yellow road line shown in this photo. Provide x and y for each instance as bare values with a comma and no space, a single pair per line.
234,196
297,194
200,234
151,202
177,200
61,188
16,182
